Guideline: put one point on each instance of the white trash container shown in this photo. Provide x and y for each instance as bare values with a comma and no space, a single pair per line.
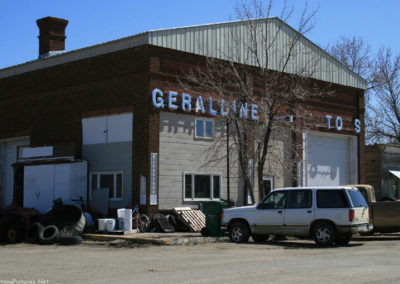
128,220
102,224
110,225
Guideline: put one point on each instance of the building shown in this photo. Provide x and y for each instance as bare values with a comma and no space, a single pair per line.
93,117
382,170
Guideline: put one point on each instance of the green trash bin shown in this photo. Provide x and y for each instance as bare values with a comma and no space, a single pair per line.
213,210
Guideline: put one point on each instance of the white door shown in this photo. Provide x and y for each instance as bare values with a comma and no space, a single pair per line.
269,216
8,156
39,187
328,160
299,212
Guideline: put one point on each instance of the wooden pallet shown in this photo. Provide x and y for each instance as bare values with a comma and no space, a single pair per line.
195,220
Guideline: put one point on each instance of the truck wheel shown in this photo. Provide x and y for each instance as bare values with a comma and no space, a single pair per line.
239,232
323,234
343,239
260,238
14,234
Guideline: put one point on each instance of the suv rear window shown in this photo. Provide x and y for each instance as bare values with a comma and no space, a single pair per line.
357,198
331,199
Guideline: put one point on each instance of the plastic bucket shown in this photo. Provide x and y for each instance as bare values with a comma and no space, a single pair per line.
110,225
102,224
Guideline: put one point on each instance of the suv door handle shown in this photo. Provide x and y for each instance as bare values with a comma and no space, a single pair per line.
309,211
280,212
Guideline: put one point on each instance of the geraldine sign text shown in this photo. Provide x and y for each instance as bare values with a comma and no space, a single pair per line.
222,108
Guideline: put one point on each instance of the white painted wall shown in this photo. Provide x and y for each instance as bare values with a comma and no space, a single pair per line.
44,183
181,152
8,156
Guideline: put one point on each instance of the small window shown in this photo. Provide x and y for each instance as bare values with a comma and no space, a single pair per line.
276,200
216,185
202,186
331,199
110,180
357,198
204,128
300,199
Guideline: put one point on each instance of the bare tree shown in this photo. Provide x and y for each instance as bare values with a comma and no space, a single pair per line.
384,126
355,54
260,69
382,97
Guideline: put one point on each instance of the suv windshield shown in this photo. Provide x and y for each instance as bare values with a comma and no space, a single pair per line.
357,199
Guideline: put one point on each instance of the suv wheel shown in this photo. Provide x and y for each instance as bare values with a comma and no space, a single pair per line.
323,234
239,232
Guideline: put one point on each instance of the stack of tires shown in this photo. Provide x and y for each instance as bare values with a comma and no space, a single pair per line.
64,224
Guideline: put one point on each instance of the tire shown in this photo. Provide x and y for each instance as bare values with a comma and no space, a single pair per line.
14,233
49,235
71,241
323,234
68,218
260,238
32,234
239,232
343,239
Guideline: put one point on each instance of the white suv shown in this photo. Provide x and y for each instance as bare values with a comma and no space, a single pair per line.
327,214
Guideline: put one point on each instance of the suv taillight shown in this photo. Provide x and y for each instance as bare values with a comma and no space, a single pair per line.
351,215
222,216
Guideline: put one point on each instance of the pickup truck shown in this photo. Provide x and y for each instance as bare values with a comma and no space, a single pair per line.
384,215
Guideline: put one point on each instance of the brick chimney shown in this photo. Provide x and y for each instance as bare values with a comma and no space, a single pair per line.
51,36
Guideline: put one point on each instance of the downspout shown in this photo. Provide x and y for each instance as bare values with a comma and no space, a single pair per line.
227,162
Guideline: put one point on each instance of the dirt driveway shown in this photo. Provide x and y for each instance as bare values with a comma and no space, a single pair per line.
366,260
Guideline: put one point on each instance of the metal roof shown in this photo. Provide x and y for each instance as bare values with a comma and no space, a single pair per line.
229,41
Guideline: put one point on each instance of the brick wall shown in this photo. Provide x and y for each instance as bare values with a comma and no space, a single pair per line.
48,104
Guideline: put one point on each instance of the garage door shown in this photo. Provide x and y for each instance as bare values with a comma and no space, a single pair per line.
329,160
8,156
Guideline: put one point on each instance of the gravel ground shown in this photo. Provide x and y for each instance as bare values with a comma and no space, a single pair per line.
366,260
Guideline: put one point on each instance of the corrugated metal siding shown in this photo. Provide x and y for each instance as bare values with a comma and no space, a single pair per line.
230,41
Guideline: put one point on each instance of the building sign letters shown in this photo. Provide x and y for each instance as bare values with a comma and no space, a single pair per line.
214,107
338,122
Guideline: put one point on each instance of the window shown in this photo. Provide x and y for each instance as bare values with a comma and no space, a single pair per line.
276,200
268,184
331,199
300,199
357,198
107,129
201,186
111,180
204,128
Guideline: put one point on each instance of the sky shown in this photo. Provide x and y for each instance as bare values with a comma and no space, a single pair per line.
97,21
